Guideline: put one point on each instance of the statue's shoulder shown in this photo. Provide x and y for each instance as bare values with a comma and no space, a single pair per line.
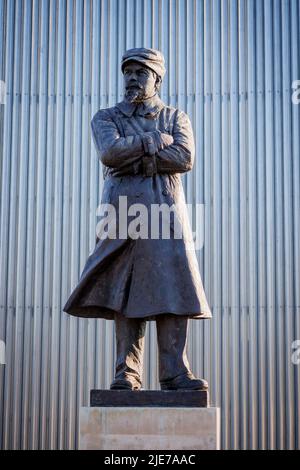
173,115
105,114
172,111
169,108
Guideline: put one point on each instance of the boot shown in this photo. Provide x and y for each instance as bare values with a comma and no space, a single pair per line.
174,368
130,333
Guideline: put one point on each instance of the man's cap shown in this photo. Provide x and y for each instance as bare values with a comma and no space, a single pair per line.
151,58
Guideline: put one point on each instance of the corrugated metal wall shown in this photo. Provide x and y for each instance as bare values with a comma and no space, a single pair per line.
230,66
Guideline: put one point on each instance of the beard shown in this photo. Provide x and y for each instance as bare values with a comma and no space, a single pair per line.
135,95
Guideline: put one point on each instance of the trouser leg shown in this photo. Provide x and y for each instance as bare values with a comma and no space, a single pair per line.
174,368
130,333
171,338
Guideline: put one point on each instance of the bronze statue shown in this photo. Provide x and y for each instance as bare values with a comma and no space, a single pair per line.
144,146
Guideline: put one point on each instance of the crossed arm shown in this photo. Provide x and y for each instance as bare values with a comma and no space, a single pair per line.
155,151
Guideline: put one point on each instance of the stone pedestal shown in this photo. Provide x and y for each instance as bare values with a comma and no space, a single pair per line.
162,427
145,398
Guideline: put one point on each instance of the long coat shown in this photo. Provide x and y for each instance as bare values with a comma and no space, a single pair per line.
142,278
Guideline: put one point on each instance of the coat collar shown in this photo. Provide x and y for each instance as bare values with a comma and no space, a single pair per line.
149,108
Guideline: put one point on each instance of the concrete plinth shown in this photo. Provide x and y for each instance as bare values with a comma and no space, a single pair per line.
149,428
146,398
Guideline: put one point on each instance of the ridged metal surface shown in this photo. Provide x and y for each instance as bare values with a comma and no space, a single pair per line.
230,66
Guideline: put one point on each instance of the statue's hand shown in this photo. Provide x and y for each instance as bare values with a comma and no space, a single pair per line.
155,141
166,140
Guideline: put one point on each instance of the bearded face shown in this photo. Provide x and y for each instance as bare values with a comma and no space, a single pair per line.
140,82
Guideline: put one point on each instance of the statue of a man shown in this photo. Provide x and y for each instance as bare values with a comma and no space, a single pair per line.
144,146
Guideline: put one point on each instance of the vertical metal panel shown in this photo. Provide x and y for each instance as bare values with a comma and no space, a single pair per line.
225,188
252,226
295,67
279,228
230,65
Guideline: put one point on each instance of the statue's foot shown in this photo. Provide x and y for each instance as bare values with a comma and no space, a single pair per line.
186,382
125,384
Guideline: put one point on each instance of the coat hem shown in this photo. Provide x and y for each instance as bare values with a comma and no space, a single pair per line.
108,313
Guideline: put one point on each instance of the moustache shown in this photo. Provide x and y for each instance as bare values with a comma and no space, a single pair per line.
135,85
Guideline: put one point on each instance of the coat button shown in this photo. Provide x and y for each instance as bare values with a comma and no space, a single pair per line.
165,192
